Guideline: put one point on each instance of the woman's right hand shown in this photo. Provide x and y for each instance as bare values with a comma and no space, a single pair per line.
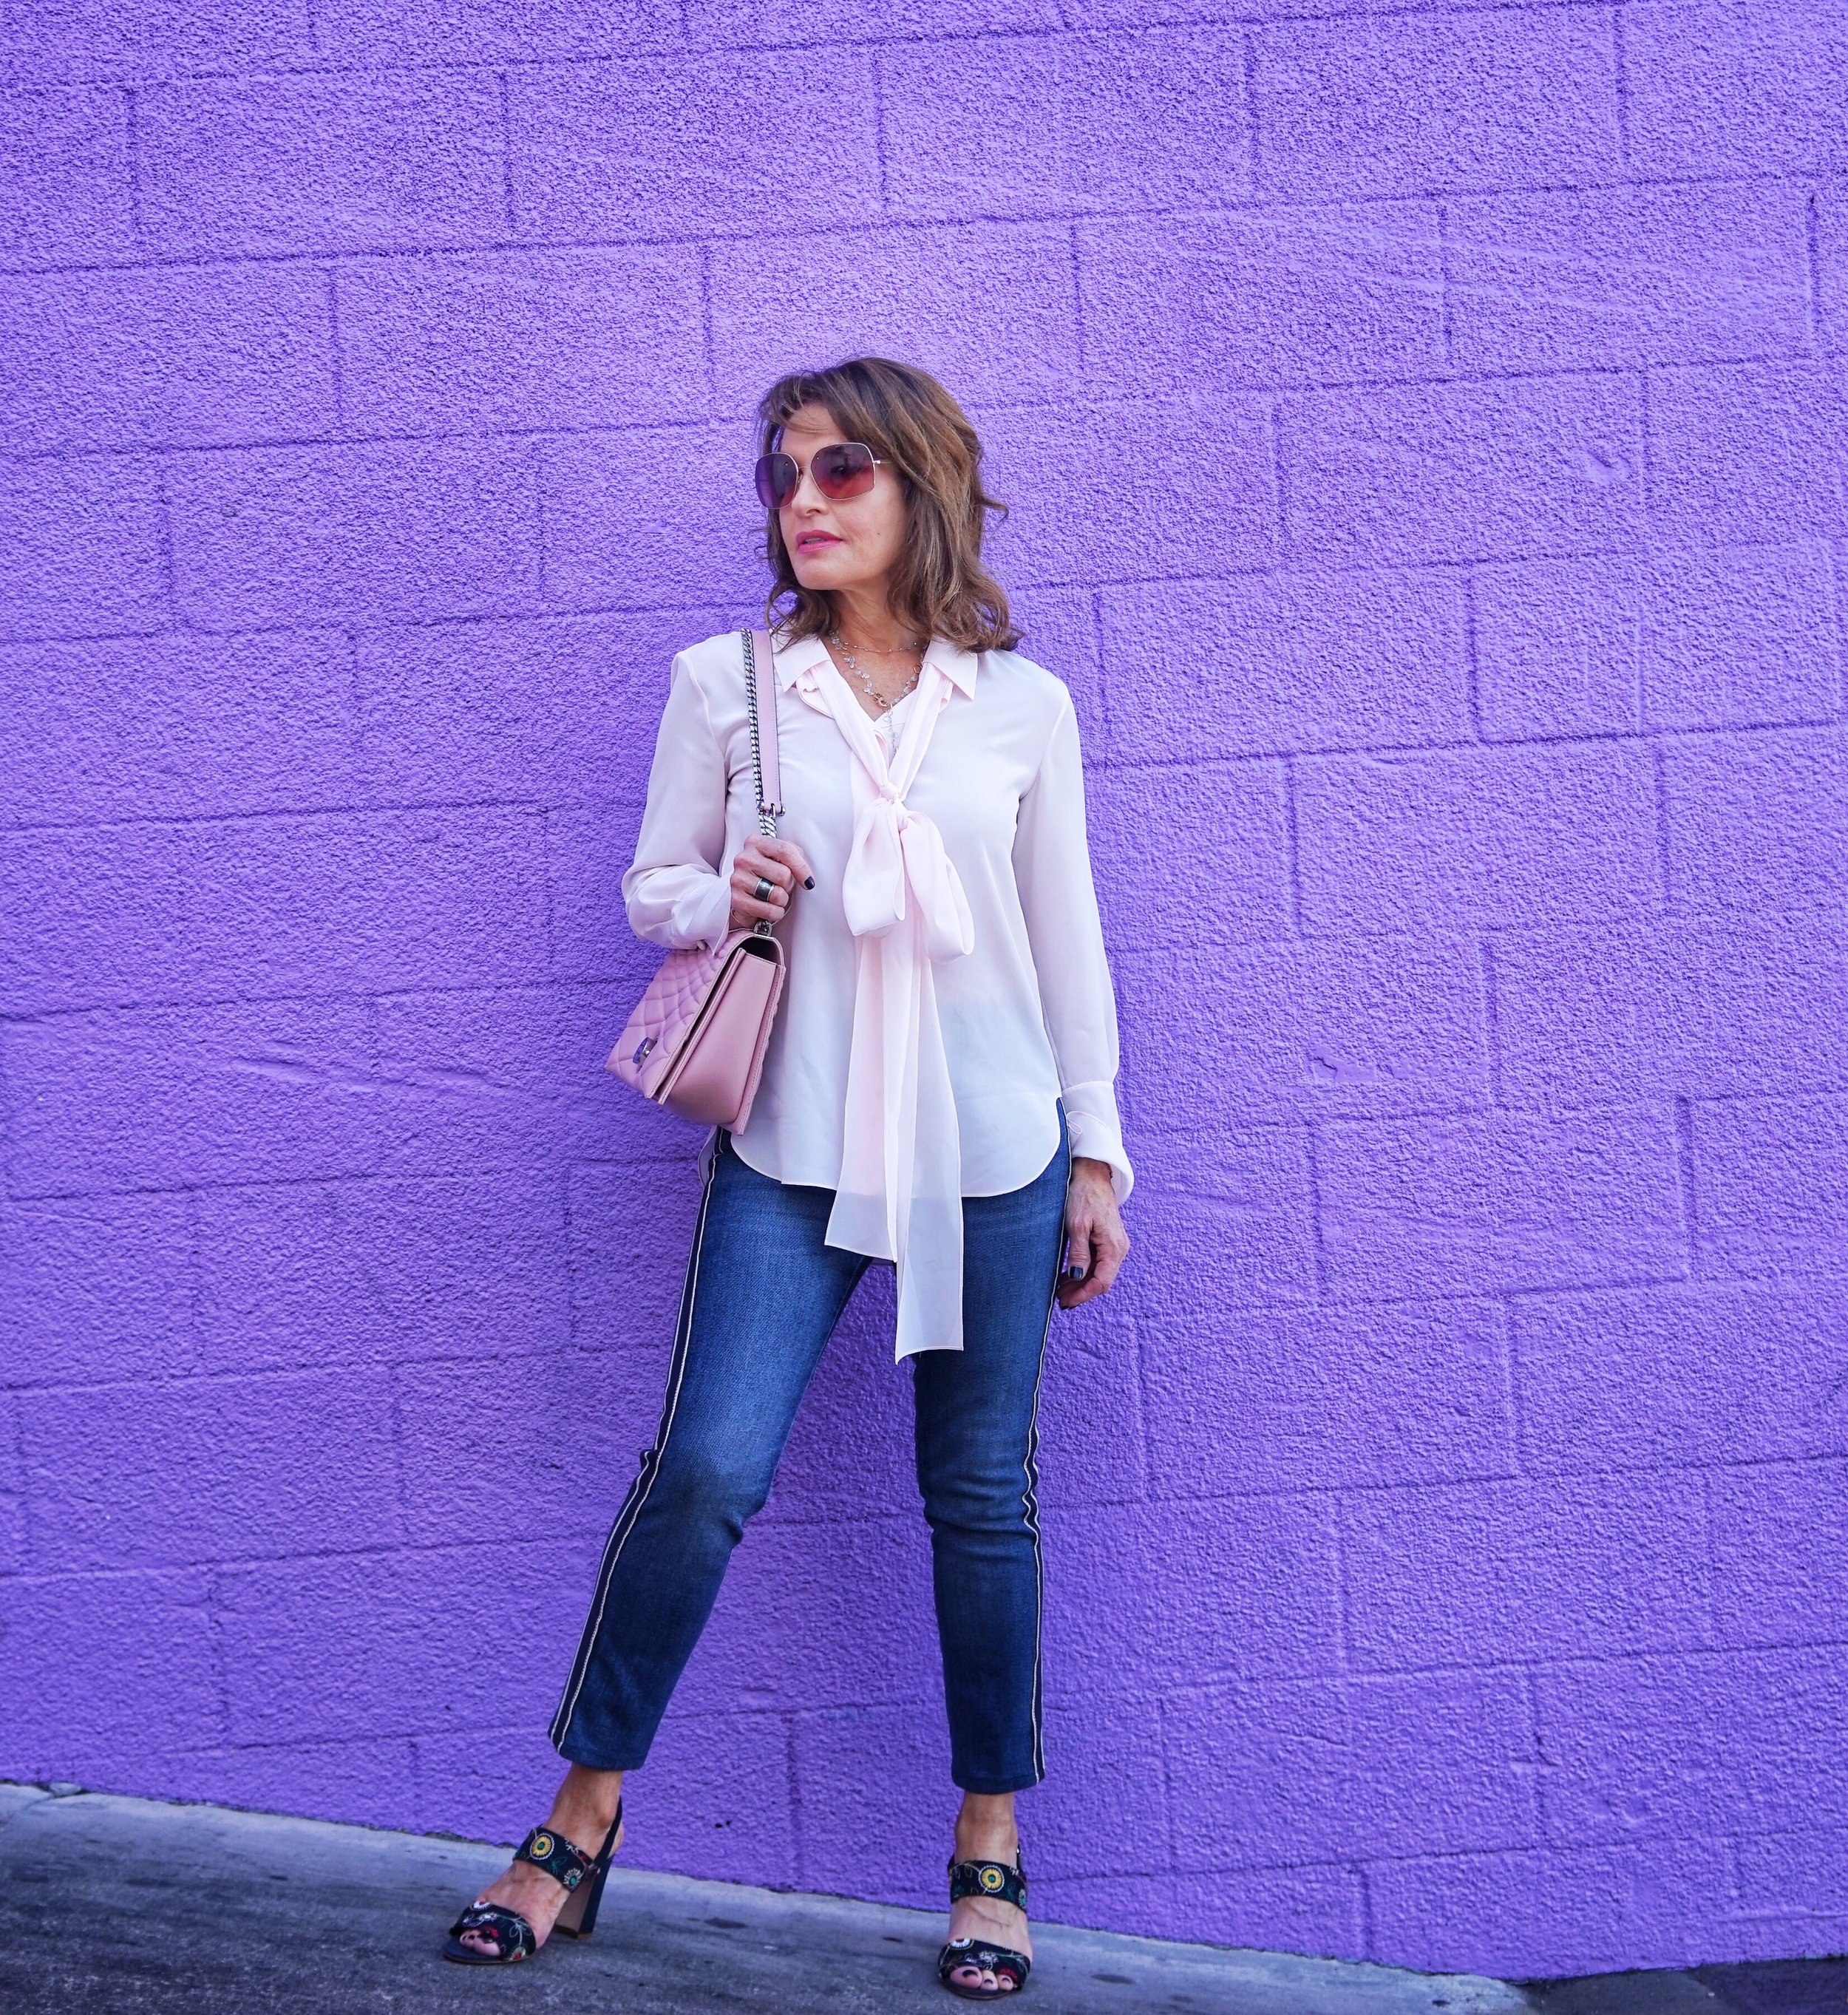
781,863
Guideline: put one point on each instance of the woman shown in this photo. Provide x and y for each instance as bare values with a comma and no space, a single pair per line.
938,1093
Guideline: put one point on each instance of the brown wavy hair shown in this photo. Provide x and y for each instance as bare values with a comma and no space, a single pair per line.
940,587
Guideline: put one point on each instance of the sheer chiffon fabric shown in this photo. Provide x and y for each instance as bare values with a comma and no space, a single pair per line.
947,982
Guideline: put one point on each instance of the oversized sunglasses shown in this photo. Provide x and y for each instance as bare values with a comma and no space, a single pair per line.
841,470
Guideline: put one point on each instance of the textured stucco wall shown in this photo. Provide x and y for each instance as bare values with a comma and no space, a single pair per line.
1426,432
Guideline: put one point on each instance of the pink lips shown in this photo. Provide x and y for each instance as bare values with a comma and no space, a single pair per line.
811,542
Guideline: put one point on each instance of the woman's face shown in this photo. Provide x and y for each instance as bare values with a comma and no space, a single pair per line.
851,543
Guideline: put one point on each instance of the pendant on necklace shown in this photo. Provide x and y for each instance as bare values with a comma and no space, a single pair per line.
866,678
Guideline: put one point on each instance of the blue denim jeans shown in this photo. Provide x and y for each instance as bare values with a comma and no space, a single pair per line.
763,1294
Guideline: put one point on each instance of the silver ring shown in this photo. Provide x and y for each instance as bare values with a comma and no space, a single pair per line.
762,890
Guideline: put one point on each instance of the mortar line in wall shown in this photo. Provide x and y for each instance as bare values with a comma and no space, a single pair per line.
792,1765
1616,1662
1684,1174
877,79
170,572
1838,559
272,814
1491,1001
132,120
410,1080
1312,1162
548,848
360,743
20,640
1094,615
1077,278
1382,1674
415,1743
1511,1388
1447,315
1472,698
680,50
1645,420
708,330
347,996
1588,737
541,537
1280,479
1049,217
401,1487
1292,847
1658,764
14,1418
540,1353
215,1627
1271,398
1139,1356
1530,1700
1620,81
1338,1563
336,370
374,1040
505,100
1250,759
1248,89
1707,1480
195,1279
1813,258
587,611
1170,1840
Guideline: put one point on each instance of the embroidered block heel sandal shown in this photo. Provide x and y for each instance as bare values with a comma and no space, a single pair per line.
1004,1885
582,1877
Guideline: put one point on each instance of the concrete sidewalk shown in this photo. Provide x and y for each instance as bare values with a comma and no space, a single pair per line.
120,1906
117,1906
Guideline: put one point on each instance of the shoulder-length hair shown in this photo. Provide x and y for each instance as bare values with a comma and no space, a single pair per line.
940,587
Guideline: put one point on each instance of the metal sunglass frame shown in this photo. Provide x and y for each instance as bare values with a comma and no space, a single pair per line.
762,472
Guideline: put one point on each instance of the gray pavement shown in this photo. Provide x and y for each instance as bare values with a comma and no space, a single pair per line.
120,1906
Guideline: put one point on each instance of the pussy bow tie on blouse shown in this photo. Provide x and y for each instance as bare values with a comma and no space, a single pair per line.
899,1196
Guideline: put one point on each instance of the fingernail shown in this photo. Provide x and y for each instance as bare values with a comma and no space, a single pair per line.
808,881
1074,1273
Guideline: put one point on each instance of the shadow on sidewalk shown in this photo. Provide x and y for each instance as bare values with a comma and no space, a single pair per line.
123,1906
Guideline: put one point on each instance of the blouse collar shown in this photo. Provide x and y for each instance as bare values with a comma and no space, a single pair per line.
809,653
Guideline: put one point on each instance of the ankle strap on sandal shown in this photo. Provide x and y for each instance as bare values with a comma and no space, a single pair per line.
551,1851
993,1879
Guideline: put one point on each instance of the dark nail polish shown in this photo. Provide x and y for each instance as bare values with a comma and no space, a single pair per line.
808,881
1074,1273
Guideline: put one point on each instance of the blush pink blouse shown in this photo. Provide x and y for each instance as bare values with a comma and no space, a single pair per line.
947,984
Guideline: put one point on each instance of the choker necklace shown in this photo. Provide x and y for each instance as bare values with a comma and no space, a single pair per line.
852,663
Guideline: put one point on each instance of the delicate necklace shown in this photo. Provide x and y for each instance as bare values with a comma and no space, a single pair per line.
852,663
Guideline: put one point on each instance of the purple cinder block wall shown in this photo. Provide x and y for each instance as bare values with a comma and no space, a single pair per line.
1425,432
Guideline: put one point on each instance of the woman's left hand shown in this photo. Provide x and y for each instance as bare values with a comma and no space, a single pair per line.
1095,1242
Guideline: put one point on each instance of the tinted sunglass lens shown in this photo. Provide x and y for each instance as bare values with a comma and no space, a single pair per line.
843,469
777,478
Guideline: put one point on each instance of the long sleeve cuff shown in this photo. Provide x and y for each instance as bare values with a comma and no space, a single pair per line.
1096,1132
703,915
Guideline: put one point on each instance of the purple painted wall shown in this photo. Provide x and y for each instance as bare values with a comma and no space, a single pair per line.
1426,435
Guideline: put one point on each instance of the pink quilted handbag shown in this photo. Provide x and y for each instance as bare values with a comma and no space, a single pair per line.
695,1042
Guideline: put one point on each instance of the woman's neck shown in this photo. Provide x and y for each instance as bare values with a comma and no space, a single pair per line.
865,622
